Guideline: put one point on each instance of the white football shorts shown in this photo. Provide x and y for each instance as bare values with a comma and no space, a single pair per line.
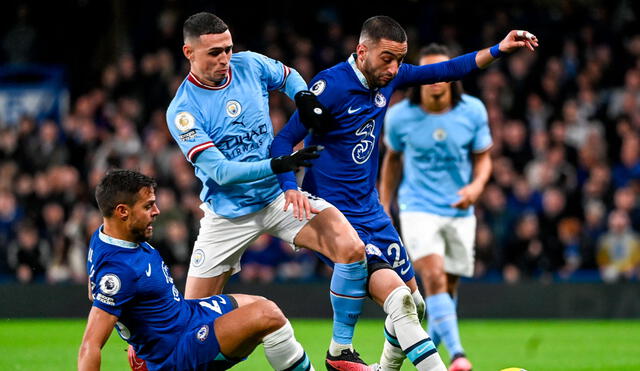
451,237
221,241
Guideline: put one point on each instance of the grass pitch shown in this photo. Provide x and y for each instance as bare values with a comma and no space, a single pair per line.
491,345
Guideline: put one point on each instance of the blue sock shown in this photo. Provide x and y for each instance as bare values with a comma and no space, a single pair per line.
443,318
348,292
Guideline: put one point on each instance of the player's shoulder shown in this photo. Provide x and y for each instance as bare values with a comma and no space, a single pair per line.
401,111
331,82
471,102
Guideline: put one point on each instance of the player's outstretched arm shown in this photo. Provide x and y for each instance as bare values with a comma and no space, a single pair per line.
99,327
515,39
460,66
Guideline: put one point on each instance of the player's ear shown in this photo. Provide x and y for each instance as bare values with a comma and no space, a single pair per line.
361,51
121,212
187,50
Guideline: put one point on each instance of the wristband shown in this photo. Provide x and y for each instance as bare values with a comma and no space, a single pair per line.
495,51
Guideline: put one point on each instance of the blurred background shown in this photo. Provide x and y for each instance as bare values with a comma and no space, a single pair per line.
84,86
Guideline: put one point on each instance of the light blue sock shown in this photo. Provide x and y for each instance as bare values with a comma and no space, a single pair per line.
348,292
443,318
431,330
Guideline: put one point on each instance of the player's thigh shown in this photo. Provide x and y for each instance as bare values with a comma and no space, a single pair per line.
421,233
460,236
328,232
199,344
241,330
221,242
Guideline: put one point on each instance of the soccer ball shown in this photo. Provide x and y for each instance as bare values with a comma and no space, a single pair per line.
513,369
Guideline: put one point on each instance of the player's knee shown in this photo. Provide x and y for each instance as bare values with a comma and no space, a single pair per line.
435,281
271,316
349,248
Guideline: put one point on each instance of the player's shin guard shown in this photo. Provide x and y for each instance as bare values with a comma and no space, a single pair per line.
284,352
392,354
443,318
347,295
414,341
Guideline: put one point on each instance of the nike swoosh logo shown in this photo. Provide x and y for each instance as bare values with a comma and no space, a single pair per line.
350,111
405,270
422,349
148,271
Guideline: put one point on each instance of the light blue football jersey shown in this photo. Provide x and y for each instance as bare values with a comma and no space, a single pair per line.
437,153
232,118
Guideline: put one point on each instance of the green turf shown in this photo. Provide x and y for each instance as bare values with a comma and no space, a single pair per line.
491,345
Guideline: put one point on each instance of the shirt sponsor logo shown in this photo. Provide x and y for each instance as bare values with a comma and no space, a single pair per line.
318,87
110,284
234,108
189,136
184,121
106,300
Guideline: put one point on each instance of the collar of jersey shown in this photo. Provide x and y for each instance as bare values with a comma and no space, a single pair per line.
359,75
114,241
194,80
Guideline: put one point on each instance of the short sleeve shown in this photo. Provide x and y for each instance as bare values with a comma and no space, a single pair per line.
482,139
392,134
274,73
186,127
112,286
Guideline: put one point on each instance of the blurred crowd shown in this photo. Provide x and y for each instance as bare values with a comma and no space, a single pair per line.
563,202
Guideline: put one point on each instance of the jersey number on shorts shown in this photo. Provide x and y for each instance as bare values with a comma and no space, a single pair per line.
396,261
214,306
363,150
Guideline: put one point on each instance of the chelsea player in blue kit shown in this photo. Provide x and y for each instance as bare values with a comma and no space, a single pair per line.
132,290
220,119
438,145
356,94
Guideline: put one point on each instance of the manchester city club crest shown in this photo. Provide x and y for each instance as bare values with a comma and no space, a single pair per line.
439,135
197,258
233,108
380,100
184,121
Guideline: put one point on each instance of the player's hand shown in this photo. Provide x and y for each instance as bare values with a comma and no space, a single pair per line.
293,161
301,206
312,113
517,39
468,196
136,364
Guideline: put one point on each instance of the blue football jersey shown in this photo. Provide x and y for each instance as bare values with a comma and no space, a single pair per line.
132,282
437,153
232,118
346,172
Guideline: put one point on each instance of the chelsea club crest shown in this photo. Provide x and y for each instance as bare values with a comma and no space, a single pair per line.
380,100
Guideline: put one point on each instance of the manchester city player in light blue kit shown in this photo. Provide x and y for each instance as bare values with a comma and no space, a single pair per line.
220,119
132,290
438,144
356,94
